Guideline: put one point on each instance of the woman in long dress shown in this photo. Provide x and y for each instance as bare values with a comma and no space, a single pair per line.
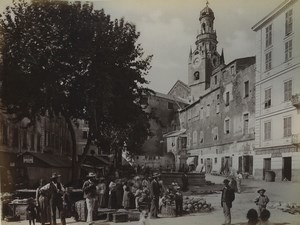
43,204
112,196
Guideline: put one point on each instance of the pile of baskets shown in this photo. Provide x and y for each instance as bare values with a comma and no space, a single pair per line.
193,205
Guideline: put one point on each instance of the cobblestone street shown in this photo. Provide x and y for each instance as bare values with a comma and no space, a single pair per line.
284,192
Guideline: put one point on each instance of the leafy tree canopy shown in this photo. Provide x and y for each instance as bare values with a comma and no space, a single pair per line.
68,58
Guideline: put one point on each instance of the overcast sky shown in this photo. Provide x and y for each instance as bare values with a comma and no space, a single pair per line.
169,27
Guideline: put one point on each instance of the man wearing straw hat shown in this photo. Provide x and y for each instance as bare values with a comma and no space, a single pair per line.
56,190
154,193
261,201
89,193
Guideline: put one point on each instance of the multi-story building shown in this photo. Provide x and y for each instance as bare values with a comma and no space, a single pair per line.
165,108
220,124
217,128
29,153
277,121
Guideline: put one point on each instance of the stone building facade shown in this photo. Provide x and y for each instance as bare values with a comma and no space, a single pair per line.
165,108
277,130
29,153
219,123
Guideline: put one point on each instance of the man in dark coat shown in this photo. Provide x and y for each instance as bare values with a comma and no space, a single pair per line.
154,194
226,201
55,190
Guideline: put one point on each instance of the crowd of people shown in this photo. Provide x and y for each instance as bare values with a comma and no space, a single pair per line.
145,193
142,193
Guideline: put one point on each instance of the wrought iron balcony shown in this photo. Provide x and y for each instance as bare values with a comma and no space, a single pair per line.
296,100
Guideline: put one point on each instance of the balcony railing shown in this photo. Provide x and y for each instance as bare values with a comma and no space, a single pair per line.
296,139
296,100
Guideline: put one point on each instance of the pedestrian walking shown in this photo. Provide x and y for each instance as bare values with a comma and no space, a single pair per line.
227,198
31,211
89,191
55,190
154,194
261,201
239,178
252,217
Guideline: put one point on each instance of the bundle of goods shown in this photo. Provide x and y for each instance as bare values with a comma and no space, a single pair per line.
292,208
81,210
193,205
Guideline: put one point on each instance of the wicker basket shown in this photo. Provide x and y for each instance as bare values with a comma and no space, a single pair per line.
168,210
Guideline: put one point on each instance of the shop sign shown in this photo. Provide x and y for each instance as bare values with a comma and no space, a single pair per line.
28,159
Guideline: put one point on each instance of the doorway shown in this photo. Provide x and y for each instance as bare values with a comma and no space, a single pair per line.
246,164
208,165
287,168
267,166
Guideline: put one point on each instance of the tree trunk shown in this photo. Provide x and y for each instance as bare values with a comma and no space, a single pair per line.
86,148
75,169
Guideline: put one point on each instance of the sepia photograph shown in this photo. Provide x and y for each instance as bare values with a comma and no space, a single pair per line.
150,112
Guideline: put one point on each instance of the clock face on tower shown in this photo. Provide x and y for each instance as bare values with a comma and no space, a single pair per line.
196,62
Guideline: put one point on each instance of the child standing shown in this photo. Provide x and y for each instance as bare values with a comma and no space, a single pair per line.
31,211
178,201
261,201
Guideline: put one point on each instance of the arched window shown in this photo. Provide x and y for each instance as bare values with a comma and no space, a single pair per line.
203,27
196,75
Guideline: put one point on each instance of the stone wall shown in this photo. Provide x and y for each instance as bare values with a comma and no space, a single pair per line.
195,179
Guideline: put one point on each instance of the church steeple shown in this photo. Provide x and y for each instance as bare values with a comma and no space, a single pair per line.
205,58
207,37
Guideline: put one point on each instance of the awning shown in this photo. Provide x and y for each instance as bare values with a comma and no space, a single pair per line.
92,167
44,160
174,133
94,161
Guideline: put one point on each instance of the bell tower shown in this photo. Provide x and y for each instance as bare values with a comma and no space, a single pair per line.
205,58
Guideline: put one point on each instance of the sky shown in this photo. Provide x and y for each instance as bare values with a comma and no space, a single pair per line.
169,28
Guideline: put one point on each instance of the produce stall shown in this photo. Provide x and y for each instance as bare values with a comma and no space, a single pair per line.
16,204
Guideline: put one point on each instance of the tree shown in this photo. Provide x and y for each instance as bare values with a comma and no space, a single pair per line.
69,59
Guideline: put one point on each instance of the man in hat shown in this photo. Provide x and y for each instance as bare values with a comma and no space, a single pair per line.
55,190
226,201
90,194
261,201
154,194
